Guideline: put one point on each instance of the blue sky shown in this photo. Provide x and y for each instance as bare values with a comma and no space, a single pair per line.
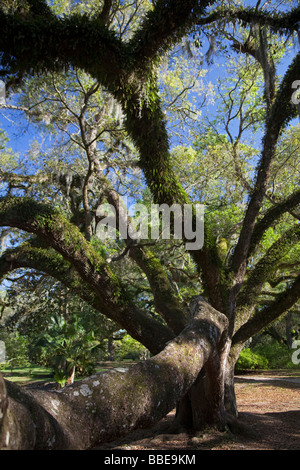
21,133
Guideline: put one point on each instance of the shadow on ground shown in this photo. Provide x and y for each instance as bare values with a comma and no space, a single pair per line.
269,407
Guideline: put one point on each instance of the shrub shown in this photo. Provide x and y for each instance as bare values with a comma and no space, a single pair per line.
279,356
251,360
16,347
129,349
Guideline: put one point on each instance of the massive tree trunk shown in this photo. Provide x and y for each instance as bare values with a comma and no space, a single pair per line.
108,405
205,402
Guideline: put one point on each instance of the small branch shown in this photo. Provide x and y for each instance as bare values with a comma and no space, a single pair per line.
270,217
282,110
105,13
284,22
267,315
266,266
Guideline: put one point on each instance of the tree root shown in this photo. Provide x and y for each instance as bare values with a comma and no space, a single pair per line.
232,425
237,427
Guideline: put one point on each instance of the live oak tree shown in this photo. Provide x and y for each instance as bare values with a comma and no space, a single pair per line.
194,358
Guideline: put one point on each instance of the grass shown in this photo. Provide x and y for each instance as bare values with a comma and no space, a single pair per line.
25,375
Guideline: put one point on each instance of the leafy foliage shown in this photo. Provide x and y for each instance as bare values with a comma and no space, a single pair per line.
66,346
249,360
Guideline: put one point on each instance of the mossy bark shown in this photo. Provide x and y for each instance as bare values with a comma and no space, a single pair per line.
108,405
74,253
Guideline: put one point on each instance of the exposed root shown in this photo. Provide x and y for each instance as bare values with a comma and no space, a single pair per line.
241,429
232,425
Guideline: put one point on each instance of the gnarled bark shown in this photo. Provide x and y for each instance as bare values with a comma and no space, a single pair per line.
204,404
111,404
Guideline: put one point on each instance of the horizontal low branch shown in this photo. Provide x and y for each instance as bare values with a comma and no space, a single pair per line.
111,404
112,297
30,255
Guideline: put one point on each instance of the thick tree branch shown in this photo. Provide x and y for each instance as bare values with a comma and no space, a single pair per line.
49,225
30,255
104,15
281,111
148,129
112,404
33,44
289,276
165,300
141,326
264,317
266,267
270,217
279,22
165,24
66,239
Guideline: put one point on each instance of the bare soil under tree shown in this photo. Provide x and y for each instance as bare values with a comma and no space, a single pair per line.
269,404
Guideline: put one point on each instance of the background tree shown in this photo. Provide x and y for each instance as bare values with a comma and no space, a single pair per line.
59,330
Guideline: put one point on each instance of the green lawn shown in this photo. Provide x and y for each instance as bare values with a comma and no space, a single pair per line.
25,375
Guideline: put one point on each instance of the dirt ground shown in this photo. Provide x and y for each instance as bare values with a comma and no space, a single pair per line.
268,403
